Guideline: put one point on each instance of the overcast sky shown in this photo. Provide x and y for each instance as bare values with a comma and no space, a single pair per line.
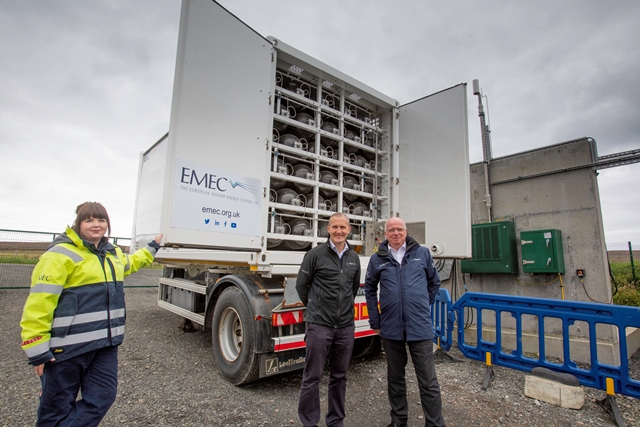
86,85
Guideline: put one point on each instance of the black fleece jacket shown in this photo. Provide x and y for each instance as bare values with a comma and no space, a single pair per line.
327,285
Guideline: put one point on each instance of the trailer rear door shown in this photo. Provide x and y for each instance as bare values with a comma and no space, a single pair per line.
219,129
433,186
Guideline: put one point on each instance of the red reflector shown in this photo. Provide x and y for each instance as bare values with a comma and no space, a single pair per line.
287,318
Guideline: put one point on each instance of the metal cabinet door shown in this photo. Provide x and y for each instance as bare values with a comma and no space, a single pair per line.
433,172
219,132
542,251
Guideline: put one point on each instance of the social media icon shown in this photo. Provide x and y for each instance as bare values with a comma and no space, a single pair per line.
225,224
234,225
206,221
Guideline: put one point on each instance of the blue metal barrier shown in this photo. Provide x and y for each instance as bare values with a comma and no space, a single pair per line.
600,375
442,320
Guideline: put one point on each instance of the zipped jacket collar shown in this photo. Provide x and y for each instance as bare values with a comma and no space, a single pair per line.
70,236
330,248
383,249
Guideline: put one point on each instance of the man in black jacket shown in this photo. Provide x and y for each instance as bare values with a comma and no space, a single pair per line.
327,284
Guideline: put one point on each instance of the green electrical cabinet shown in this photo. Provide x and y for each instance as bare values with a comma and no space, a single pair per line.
493,249
542,251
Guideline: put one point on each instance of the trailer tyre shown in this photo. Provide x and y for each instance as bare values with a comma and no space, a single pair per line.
367,346
233,338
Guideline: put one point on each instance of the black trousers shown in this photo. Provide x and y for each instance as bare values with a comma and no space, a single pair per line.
422,358
323,342
94,374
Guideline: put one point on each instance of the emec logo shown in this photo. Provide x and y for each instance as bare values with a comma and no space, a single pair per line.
212,181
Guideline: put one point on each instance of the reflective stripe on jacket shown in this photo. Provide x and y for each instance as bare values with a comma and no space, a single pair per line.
406,293
76,301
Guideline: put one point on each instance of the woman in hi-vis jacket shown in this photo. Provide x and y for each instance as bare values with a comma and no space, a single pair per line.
73,319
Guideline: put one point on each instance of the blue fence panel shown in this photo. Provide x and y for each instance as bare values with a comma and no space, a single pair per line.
442,318
568,312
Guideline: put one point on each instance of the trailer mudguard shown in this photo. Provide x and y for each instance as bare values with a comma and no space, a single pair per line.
261,302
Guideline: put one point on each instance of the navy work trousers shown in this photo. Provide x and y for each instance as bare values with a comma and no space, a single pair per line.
323,342
422,358
94,374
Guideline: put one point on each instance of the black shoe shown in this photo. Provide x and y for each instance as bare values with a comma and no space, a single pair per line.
396,425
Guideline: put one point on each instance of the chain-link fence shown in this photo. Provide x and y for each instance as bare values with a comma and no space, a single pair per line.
20,250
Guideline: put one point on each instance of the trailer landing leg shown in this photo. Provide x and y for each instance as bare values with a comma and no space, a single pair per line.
187,326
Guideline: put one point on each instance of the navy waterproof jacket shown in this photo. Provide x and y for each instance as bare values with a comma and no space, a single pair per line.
406,293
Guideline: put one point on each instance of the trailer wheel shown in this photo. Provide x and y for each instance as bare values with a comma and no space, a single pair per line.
367,346
233,338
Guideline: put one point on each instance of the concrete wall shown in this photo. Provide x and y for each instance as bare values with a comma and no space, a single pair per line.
525,190
547,188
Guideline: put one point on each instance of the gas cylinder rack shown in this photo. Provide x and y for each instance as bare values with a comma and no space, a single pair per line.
326,157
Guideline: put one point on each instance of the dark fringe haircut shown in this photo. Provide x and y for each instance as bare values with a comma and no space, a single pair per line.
88,210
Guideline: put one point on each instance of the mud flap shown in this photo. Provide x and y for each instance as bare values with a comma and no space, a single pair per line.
277,363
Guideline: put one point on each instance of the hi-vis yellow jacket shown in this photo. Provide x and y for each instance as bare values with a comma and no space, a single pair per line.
76,302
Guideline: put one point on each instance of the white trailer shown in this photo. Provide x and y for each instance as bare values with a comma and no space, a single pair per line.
264,144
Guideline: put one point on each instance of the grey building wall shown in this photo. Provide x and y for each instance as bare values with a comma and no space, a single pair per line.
547,188
554,187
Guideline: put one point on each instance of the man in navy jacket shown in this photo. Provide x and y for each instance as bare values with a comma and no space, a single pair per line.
408,283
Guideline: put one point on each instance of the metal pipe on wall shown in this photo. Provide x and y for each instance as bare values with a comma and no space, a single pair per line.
486,147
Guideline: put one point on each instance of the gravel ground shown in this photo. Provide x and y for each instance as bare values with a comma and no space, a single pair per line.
168,378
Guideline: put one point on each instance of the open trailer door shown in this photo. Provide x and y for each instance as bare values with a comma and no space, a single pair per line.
219,128
434,197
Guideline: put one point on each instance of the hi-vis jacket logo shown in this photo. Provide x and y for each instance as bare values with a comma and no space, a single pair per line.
213,182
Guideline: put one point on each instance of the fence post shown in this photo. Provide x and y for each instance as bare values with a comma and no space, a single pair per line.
633,268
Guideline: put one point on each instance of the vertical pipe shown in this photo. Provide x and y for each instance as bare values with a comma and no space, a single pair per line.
486,147
633,267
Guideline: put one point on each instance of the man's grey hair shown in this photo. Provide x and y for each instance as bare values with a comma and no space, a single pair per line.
339,215
404,225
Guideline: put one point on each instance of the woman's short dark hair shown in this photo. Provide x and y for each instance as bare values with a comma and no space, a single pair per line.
88,210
